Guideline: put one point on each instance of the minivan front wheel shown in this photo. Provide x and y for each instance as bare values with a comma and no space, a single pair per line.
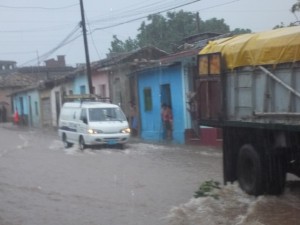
81,143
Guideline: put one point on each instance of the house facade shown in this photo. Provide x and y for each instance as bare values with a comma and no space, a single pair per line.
34,103
27,104
157,86
143,79
117,70
100,80
168,82
74,83
174,82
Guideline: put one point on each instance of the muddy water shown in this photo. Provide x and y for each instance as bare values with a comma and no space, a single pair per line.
235,207
129,187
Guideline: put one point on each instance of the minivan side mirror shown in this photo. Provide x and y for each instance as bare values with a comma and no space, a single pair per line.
84,119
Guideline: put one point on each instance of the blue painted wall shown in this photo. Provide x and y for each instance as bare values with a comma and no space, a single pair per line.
151,123
33,106
80,80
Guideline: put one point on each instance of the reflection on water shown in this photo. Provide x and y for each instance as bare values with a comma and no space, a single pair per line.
236,207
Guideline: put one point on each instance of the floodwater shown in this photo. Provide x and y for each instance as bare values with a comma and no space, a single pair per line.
235,207
43,183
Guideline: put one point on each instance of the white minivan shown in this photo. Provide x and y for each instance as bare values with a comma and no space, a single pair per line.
92,123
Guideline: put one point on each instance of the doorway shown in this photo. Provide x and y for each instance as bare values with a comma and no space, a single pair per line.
57,106
167,125
165,94
30,122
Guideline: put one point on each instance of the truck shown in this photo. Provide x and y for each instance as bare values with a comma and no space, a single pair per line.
248,85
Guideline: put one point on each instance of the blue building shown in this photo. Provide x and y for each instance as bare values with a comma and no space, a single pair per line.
80,84
27,103
166,83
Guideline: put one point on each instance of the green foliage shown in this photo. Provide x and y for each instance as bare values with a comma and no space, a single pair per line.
154,33
214,25
237,31
208,188
296,7
165,32
281,25
119,46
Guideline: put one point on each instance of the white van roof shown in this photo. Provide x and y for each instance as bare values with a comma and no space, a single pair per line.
86,104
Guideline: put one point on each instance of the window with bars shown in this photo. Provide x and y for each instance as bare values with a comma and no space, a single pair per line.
148,99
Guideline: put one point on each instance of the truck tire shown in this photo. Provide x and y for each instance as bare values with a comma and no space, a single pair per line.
249,170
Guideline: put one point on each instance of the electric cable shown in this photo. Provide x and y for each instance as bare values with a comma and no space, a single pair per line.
35,7
64,42
143,17
147,10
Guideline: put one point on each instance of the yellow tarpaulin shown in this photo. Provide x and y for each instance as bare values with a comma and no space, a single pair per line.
264,48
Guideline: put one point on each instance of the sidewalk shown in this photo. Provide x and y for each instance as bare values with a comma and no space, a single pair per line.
11,126
52,131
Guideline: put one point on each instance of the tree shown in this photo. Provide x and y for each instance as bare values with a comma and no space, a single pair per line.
296,8
165,32
214,25
281,25
119,46
240,31
155,33
116,45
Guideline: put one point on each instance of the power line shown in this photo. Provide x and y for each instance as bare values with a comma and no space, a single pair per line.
93,42
35,7
147,9
13,53
64,42
214,6
36,30
67,40
151,6
143,17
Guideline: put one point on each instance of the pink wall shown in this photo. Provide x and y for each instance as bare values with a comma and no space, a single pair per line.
99,79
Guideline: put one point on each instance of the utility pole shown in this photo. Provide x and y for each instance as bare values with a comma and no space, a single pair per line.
87,57
198,22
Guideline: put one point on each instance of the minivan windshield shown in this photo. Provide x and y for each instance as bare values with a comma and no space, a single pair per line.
106,114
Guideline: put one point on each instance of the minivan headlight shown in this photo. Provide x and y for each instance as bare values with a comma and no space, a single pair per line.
125,131
94,131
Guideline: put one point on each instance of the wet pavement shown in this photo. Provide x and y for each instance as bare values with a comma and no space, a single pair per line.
43,183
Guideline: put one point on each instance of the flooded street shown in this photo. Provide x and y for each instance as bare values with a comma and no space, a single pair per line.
235,207
43,183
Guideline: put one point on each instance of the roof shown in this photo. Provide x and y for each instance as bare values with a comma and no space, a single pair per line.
264,48
192,50
140,55
199,37
44,69
16,80
179,56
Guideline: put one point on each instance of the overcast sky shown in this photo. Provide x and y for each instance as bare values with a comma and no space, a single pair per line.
35,30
